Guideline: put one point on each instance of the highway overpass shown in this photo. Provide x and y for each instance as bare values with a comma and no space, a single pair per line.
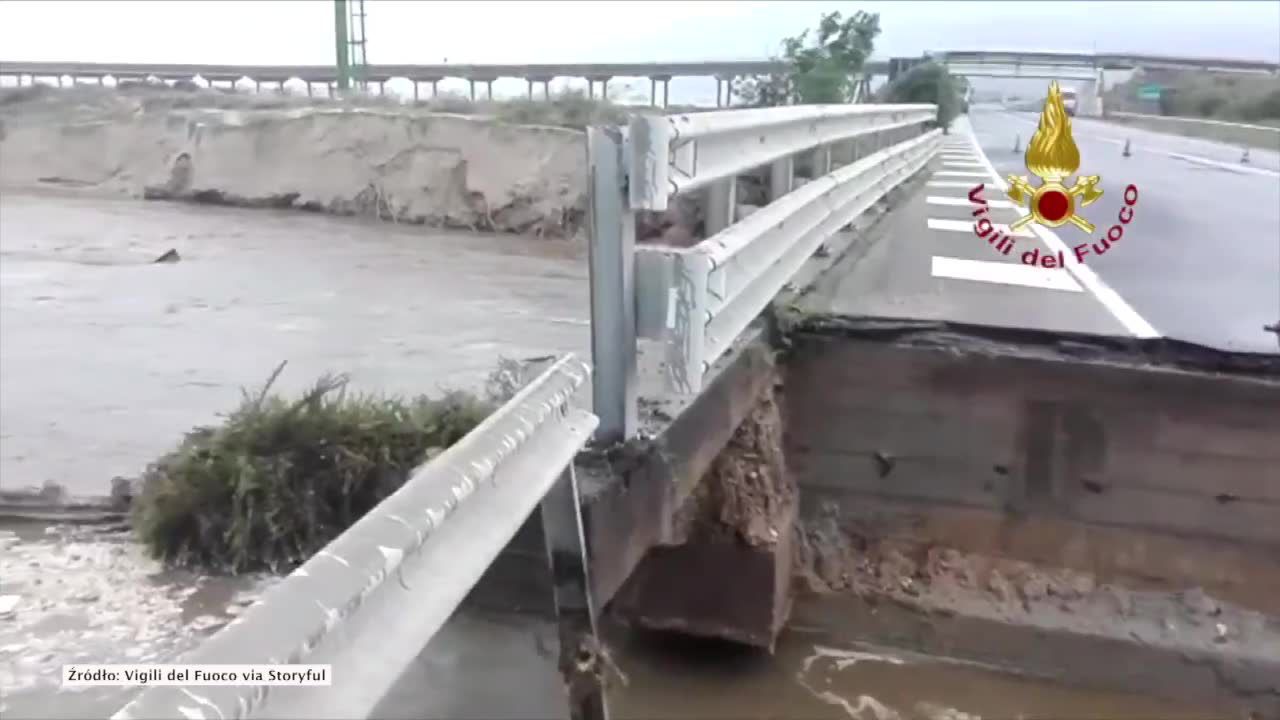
659,73
998,63
1105,61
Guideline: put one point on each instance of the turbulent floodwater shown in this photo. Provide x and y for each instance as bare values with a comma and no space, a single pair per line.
108,358
90,597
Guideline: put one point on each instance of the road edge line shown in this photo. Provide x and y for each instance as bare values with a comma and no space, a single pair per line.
1122,311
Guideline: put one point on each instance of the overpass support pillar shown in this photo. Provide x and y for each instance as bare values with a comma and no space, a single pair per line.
604,87
728,91
653,89
1090,97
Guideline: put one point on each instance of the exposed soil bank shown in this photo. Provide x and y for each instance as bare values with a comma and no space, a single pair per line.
1038,621
442,170
726,570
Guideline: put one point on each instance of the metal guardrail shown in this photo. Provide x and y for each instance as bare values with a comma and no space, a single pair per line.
1240,134
699,300
369,602
1194,121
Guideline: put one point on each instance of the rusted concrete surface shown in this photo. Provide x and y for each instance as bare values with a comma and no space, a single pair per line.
1126,489
632,493
1169,439
1047,623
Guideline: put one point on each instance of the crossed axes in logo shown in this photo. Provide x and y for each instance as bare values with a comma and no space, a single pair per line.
1021,192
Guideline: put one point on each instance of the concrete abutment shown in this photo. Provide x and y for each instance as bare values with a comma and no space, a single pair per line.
1103,518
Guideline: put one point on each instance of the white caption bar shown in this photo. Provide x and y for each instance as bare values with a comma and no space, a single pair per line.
100,675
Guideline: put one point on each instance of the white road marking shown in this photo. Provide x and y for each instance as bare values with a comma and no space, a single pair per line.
960,173
1229,167
1004,273
967,226
1110,299
965,202
952,184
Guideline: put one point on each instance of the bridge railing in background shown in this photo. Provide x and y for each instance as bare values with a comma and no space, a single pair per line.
1257,136
698,300
369,602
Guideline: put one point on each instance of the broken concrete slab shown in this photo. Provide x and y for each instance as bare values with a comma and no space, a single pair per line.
726,570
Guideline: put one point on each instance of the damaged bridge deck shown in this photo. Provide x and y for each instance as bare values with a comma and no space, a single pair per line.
1148,464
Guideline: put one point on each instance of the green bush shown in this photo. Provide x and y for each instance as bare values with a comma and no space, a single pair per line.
281,478
928,83
1233,98
820,69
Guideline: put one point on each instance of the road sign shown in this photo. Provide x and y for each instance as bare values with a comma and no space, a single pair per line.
1149,92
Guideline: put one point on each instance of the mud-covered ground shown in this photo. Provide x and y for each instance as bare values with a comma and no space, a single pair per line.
409,164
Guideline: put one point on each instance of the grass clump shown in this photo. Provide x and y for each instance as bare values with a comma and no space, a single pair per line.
281,478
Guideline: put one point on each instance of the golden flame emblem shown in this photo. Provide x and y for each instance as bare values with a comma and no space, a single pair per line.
1052,156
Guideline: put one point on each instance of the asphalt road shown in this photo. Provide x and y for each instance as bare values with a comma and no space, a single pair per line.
1199,261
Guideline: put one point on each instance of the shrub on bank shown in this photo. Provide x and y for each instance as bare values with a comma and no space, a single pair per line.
281,478
1232,98
928,83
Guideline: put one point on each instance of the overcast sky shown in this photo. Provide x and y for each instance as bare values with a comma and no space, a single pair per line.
300,32
405,31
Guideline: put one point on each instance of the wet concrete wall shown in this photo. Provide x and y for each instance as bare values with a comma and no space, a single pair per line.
392,163
1109,465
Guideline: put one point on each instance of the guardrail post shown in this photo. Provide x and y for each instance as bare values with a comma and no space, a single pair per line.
782,174
821,161
687,341
581,663
611,251
722,202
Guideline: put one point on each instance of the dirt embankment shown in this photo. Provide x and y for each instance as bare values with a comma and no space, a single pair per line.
395,163
747,496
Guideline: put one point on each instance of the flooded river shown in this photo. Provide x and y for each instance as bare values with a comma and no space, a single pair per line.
108,358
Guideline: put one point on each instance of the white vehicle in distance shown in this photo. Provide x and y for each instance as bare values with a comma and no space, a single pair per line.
1070,101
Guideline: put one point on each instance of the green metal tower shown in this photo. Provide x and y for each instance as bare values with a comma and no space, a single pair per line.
358,60
349,44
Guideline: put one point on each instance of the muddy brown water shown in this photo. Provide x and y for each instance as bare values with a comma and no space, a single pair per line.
107,358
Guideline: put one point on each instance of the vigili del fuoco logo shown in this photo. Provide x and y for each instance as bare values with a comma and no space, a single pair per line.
1053,157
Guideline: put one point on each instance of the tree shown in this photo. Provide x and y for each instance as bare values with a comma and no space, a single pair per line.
819,70
929,83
